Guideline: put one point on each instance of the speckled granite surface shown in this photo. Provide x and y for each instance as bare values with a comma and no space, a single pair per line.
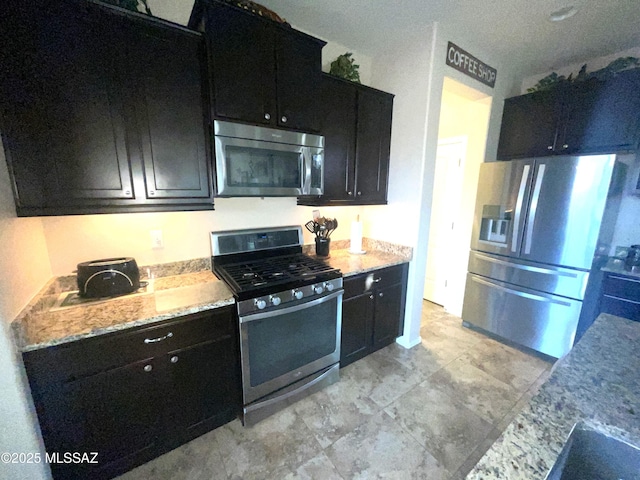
38,327
597,382
378,255
180,288
616,265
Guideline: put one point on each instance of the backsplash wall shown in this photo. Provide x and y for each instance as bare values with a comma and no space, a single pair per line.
73,239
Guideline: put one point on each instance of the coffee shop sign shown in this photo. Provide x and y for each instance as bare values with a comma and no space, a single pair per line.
470,65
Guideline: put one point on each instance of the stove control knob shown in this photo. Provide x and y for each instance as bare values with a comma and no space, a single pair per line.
259,303
318,289
329,286
275,301
298,294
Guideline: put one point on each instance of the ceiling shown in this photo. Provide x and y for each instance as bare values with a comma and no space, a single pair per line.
517,31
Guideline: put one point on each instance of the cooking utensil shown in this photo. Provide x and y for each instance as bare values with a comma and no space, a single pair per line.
311,226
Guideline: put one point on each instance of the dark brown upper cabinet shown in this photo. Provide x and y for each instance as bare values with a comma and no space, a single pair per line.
262,72
594,116
356,124
102,110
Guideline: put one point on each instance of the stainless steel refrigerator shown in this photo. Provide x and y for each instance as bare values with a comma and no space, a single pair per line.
537,227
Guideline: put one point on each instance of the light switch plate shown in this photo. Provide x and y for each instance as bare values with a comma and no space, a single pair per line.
156,239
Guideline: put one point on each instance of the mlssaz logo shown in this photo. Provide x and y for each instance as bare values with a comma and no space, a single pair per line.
72,457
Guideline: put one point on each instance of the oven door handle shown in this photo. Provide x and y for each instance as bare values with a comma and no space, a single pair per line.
295,308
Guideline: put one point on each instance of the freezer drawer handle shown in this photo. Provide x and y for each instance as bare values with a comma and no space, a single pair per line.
528,268
516,221
532,211
530,296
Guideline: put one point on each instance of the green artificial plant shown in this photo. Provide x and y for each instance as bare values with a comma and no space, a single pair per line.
344,67
553,79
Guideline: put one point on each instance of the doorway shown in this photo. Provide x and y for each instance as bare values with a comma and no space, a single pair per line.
463,125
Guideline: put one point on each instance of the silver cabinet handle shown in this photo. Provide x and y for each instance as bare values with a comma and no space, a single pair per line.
349,193
359,193
533,208
284,119
565,146
376,280
371,296
148,368
267,116
128,192
159,339
516,221
550,147
381,294
152,192
174,359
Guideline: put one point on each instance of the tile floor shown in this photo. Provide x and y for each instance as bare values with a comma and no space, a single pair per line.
425,413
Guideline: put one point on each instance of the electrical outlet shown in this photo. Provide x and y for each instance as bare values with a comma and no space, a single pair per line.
156,239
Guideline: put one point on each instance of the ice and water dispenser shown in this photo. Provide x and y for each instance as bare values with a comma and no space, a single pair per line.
495,224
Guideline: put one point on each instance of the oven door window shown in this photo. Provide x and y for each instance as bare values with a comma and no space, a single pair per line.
285,343
249,167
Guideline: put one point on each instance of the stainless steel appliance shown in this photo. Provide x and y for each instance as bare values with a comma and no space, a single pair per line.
536,230
263,162
290,313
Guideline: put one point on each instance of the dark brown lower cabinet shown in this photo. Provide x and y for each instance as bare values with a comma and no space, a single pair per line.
372,311
132,395
621,296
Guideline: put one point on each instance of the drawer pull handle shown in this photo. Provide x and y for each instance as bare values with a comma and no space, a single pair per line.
159,339
627,300
174,359
381,294
148,368
376,280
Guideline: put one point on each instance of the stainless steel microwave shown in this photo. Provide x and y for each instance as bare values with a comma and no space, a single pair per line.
265,162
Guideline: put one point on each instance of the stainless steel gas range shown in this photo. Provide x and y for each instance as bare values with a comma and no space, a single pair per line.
289,309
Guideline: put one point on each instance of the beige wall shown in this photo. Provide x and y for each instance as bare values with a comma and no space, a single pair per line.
72,239
25,266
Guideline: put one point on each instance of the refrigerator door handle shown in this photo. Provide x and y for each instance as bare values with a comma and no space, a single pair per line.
516,220
532,209
518,293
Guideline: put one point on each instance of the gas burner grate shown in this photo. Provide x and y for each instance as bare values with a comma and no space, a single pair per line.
246,276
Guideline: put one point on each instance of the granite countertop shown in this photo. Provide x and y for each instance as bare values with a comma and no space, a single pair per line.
180,289
353,264
598,382
616,265
39,327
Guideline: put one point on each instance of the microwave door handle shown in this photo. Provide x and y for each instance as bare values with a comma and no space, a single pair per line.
519,201
306,170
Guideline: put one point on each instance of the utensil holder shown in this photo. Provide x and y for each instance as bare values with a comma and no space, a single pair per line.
322,246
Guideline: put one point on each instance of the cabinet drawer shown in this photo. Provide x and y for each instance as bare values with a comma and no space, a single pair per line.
620,307
68,362
382,278
622,287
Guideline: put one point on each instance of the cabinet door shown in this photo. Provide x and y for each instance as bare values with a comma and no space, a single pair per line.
338,120
298,76
373,146
386,321
167,66
603,116
242,65
205,387
357,319
114,413
529,125
60,93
